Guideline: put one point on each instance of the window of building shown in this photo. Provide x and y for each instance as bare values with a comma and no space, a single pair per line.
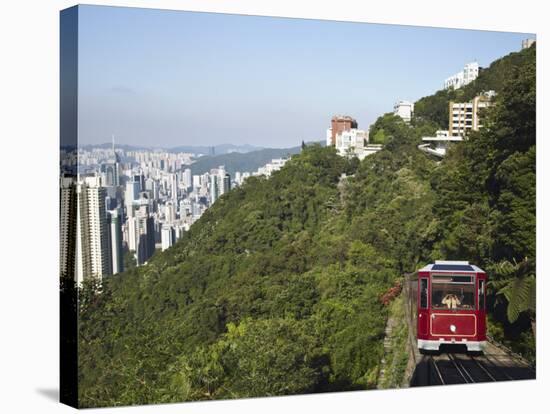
453,292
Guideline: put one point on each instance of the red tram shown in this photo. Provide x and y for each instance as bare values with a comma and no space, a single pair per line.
451,305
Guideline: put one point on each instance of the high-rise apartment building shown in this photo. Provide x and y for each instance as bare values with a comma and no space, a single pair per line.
214,187
115,227
187,179
92,245
111,169
131,234
131,195
145,237
141,235
170,212
173,183
168,236
226,183
67,226
196,182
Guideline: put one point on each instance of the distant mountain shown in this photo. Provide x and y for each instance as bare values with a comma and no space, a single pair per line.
249,161
200,149
236,161
108,145
218,149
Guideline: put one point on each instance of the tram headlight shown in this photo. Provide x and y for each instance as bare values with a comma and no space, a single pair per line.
453,328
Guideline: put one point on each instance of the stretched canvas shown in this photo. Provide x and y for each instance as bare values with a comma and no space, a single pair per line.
263,206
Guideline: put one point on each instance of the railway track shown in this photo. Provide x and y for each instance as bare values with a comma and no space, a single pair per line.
463,368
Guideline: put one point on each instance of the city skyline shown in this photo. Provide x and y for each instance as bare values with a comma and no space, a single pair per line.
118,207
157,76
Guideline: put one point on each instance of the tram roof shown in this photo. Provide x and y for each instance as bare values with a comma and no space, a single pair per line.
450,266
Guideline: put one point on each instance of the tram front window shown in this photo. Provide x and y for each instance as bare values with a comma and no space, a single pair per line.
456,292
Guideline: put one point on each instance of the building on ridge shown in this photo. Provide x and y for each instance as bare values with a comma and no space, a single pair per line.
468,74
339,124
404,109
465,116
527,43
348,140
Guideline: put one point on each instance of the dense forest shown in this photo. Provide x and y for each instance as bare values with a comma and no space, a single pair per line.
281,287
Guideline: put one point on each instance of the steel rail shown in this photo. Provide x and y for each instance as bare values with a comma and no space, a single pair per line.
460,368
485,370
491,359
437,370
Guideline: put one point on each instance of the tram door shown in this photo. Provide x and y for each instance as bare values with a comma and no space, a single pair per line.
481,299
423,316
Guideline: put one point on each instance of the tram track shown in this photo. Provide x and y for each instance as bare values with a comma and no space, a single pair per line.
499,373
462,368
448,370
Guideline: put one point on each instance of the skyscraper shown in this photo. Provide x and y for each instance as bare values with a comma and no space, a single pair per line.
187,179
168,236
116,240
111,169
92,244
170,212
221,176
226,183
131,195
131,228
174,187
214,188
196,182
145,233
67,226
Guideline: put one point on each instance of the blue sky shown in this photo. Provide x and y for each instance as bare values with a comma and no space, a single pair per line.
169,78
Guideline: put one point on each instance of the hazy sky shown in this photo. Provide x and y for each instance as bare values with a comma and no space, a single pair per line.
169,78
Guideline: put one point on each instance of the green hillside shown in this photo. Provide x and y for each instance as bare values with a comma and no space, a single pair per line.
281,287
435,107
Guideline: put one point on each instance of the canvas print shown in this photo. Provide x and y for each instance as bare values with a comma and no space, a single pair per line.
263,206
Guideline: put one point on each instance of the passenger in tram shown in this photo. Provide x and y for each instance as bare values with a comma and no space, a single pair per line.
451,301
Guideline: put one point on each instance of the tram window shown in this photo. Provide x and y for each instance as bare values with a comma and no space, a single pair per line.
424,293
451,292
481,294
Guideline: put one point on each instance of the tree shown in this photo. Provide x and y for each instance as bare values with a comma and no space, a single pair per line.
129,260
516,284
